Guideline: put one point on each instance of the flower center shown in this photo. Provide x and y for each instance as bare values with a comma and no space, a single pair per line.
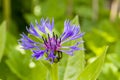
52,43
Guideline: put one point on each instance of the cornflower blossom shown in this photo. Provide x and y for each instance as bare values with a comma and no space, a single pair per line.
50,44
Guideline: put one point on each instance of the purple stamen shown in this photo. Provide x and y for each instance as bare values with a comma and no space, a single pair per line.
52,43
53,35
56,39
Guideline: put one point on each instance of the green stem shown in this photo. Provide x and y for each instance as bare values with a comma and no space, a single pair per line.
54,71
6,8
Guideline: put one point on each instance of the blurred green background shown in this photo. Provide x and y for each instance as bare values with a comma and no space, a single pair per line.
99,19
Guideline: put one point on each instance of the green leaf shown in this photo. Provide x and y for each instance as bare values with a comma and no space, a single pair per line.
2,38
75,20
92,71
5,73
109,72
46,64
21,65
54,71
73,64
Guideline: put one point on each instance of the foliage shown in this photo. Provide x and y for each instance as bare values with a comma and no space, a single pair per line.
90,64
3,38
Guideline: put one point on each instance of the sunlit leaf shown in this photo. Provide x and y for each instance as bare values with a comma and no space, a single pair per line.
46,64
76,20
92,71
2,38
109,72
73,64
23,65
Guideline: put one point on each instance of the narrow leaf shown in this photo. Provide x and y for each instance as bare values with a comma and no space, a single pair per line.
2,38
92,71
75,20
75,63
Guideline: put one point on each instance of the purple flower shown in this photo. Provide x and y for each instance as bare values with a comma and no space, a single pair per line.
51,45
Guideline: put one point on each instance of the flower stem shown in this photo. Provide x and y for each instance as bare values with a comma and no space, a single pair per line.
54,71
6,8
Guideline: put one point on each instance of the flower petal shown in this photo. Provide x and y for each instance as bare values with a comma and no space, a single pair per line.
75,48
70,52
27,45
51,56
77,36
38,53
32,31
66,27
26,37
67,35
50,25
70,31
26,42
76,30
42,26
